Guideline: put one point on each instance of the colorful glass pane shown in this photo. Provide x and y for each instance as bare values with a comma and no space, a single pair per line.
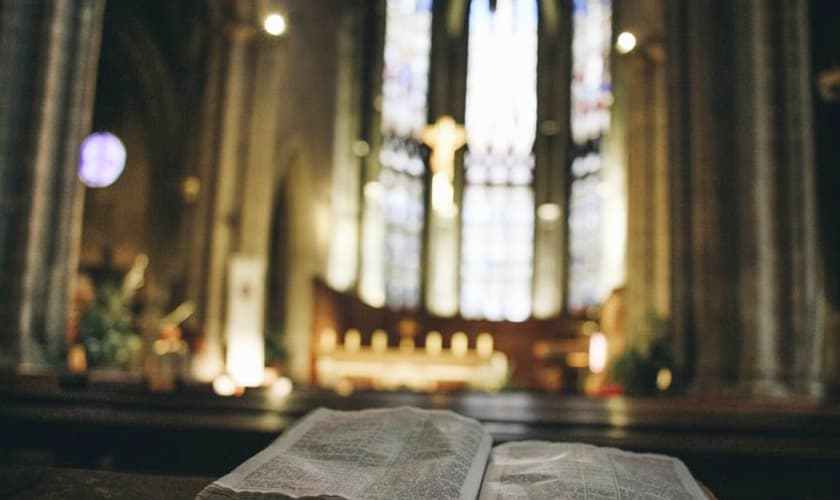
498,201
404,109
590,121
591,84
101,159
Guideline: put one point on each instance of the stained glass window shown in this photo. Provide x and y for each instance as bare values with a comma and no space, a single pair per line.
590,121
498,198
404,106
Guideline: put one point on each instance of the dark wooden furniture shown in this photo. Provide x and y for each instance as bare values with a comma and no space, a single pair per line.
740,448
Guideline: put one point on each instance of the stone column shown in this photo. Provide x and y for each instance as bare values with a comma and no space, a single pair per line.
50,52
197,222
371,282
224,220
703,300
778,268
348,149
745,293
551,153
640,120
246,168
446,97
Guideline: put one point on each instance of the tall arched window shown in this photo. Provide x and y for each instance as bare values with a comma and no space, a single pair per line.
404,108
590,121
494,262
498,198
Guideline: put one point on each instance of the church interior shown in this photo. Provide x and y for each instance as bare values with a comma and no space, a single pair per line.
605,221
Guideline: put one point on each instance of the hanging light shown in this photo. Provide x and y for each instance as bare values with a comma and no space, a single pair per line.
625,42
275,24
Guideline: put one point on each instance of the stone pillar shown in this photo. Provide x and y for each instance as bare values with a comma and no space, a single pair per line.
441,271
371,282
49,52
551,153
246,167
703,300
246,170
640,119
745,292
825,38
348,149
197,222
778,268
275,102
224,220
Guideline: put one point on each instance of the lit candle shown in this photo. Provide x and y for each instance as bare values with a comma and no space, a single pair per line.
379,341
434,343
484,345
460,344
282,387
407,345
328,340
352,340
498,371
224,385
76,359
663,379
597,352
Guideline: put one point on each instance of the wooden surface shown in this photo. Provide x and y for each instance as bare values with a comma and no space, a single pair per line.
49,483
740,448
20,482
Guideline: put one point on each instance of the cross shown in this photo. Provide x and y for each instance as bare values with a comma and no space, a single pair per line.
444,137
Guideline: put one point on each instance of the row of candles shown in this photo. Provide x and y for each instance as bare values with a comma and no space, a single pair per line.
459,343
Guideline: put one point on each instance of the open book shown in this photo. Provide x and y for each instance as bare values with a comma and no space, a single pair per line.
406,453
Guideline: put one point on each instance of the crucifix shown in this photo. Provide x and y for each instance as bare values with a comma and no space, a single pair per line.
444,138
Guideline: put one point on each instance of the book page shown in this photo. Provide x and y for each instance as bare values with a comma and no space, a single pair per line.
538,470
370,454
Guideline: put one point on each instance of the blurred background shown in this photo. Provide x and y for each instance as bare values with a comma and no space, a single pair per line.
351,191
579,197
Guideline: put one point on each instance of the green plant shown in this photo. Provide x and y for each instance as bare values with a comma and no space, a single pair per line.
647,352
106,331
275,350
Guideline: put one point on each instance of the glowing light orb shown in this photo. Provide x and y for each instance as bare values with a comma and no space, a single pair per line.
549,212
663,379
625,42
224,385
597,352
101,160
282,387
344,387
274,24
